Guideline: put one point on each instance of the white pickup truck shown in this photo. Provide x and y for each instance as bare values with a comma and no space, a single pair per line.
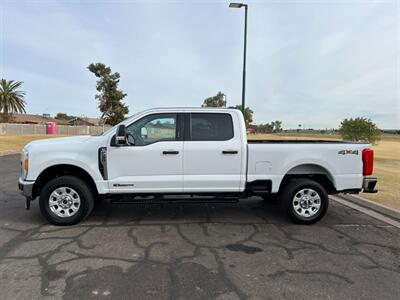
190,151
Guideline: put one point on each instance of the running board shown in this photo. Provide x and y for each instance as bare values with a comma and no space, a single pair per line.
176,201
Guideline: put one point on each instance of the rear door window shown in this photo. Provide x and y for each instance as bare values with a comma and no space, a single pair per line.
211,127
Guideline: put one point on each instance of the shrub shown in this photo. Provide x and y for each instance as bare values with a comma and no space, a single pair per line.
359,129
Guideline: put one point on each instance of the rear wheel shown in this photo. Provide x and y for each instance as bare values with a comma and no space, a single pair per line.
66,200
305,201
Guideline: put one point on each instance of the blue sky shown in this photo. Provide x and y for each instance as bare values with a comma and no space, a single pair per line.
309,62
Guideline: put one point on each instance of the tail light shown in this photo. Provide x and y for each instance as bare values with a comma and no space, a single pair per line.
368,161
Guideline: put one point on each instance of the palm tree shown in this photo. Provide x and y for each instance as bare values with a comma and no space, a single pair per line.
11,98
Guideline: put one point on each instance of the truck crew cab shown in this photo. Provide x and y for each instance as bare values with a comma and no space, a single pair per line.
191,151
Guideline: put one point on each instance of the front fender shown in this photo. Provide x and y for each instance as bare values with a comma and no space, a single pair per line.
37,167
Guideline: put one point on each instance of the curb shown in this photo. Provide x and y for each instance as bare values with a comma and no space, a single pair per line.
377,207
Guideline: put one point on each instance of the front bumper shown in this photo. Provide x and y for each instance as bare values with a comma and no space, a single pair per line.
26,187
369,184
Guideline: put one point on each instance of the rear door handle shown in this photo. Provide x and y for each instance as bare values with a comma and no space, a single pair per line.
170,152
229,152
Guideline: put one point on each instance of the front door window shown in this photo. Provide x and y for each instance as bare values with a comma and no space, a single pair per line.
153,128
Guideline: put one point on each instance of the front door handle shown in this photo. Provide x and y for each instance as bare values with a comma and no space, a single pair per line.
170,152
229,152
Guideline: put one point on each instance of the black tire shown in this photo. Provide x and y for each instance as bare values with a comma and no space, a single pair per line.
81,188
294,189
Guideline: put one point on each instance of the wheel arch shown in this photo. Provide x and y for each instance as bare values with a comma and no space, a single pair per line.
311,171
58,170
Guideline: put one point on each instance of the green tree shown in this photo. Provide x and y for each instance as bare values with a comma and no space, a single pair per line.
248,114
359,129
64,116
110,97
277,125
11,98
264,128
215,101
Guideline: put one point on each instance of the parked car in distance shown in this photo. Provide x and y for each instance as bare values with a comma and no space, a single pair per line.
193,151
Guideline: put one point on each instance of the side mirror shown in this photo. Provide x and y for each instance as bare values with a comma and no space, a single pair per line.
120,136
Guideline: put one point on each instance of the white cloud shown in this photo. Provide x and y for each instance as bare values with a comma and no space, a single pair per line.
309,63
331,43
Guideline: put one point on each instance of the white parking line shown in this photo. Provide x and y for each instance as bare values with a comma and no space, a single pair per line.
367,211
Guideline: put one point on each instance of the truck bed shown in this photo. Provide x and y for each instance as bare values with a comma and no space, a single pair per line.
341,161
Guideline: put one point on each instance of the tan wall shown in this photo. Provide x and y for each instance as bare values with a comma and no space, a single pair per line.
28,129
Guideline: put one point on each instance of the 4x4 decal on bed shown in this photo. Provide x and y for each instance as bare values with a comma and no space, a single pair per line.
344,152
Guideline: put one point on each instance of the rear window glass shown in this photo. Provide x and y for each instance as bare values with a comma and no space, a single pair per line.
211,127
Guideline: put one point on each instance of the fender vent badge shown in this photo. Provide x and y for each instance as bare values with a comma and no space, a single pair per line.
123,184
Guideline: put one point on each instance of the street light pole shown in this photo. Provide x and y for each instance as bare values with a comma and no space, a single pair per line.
240,5
244,60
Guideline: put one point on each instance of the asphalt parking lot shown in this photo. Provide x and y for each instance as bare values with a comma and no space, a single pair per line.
172,251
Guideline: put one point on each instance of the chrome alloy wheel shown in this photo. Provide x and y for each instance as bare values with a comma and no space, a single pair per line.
306,203
64,202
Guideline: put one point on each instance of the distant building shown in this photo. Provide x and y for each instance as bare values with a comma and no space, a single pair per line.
94,121
43,119
80,121
35,119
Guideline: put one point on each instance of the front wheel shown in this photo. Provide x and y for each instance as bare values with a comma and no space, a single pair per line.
66,200
305,201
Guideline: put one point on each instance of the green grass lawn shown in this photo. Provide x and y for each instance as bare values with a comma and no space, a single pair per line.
14,143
